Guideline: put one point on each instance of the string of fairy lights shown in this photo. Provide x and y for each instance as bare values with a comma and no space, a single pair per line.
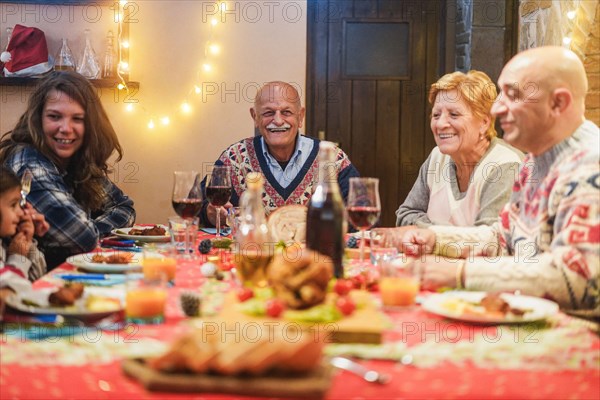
211,50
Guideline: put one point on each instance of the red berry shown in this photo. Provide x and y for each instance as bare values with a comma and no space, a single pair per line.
358,281
345,305
274,307
244,294
343,287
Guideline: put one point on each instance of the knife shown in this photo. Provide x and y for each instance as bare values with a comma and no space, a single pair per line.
118,243
75,277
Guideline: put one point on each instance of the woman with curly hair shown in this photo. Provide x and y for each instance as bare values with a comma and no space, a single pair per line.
65,139
468,177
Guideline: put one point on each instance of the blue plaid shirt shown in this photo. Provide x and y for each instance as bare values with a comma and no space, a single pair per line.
72,230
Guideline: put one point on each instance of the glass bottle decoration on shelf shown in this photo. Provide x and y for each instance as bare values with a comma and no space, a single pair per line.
89,66
64,59
109,69
8,35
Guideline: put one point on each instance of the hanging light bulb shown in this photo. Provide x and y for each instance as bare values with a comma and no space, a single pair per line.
207,67
129,107
165,120
571,14
186,108
125,44
151,124
214,21
197,89
120,86
214,49
566,40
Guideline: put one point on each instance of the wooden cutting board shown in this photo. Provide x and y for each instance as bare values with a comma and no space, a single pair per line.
365,325
308,386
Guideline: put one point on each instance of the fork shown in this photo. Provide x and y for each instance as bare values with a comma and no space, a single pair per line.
357,369
25,187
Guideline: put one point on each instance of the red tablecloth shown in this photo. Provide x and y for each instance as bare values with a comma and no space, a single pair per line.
447,381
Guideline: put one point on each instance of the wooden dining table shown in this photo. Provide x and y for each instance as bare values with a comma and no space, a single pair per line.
558,359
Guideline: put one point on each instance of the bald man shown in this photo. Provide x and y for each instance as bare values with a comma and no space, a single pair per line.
286,158
547,240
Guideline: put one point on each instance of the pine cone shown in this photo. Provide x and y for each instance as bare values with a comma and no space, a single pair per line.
190,304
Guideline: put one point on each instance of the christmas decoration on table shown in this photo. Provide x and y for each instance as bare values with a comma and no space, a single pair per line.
190,303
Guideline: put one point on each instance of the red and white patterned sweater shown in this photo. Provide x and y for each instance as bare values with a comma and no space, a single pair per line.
547,240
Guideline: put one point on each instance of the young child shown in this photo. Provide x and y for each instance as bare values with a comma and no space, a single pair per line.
20,259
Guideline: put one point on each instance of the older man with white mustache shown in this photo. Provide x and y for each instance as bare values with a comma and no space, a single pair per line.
286,158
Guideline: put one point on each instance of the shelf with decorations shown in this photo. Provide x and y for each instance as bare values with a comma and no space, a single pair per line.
99,83
119,13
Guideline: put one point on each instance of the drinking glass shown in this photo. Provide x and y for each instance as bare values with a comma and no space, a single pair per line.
385,243
145,299
218,191
233,220
399,283
159,259
364,207
187,202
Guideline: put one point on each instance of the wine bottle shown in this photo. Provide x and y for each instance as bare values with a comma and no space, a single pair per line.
254,246
325,220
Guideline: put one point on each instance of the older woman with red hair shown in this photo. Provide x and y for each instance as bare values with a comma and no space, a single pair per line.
468,177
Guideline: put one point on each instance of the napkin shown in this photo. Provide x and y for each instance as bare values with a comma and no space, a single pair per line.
37,297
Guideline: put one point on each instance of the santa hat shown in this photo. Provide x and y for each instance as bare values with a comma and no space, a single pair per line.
26,53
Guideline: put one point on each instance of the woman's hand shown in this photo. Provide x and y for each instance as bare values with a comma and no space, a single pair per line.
418,241
438,272
40,224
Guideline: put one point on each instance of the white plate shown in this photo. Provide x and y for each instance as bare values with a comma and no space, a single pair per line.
77,310
538,309
124,233
84,262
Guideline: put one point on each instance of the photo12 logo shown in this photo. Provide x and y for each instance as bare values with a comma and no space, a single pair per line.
254,11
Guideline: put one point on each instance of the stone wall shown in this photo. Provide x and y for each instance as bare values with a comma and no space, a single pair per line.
464,22
481,35
571,23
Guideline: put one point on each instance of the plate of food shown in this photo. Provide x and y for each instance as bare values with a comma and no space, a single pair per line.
107,261
144,233
490,308
71,301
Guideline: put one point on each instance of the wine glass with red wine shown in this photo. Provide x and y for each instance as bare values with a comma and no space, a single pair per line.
218,191
364,207
187,202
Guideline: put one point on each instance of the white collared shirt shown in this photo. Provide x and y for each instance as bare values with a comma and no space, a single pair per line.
301,153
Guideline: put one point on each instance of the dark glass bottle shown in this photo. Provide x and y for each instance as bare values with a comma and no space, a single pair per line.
325,220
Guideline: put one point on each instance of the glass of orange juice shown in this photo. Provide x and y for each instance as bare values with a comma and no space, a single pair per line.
159,260
399,283
145,300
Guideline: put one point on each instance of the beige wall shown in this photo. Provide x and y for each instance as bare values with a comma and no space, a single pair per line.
544,22
260,41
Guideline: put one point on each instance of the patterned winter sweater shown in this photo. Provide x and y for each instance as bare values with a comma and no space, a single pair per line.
246,156
547,240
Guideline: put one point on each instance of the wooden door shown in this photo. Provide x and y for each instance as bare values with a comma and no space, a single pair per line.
370,64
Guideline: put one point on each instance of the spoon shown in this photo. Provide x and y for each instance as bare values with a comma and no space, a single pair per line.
359,370
25,187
